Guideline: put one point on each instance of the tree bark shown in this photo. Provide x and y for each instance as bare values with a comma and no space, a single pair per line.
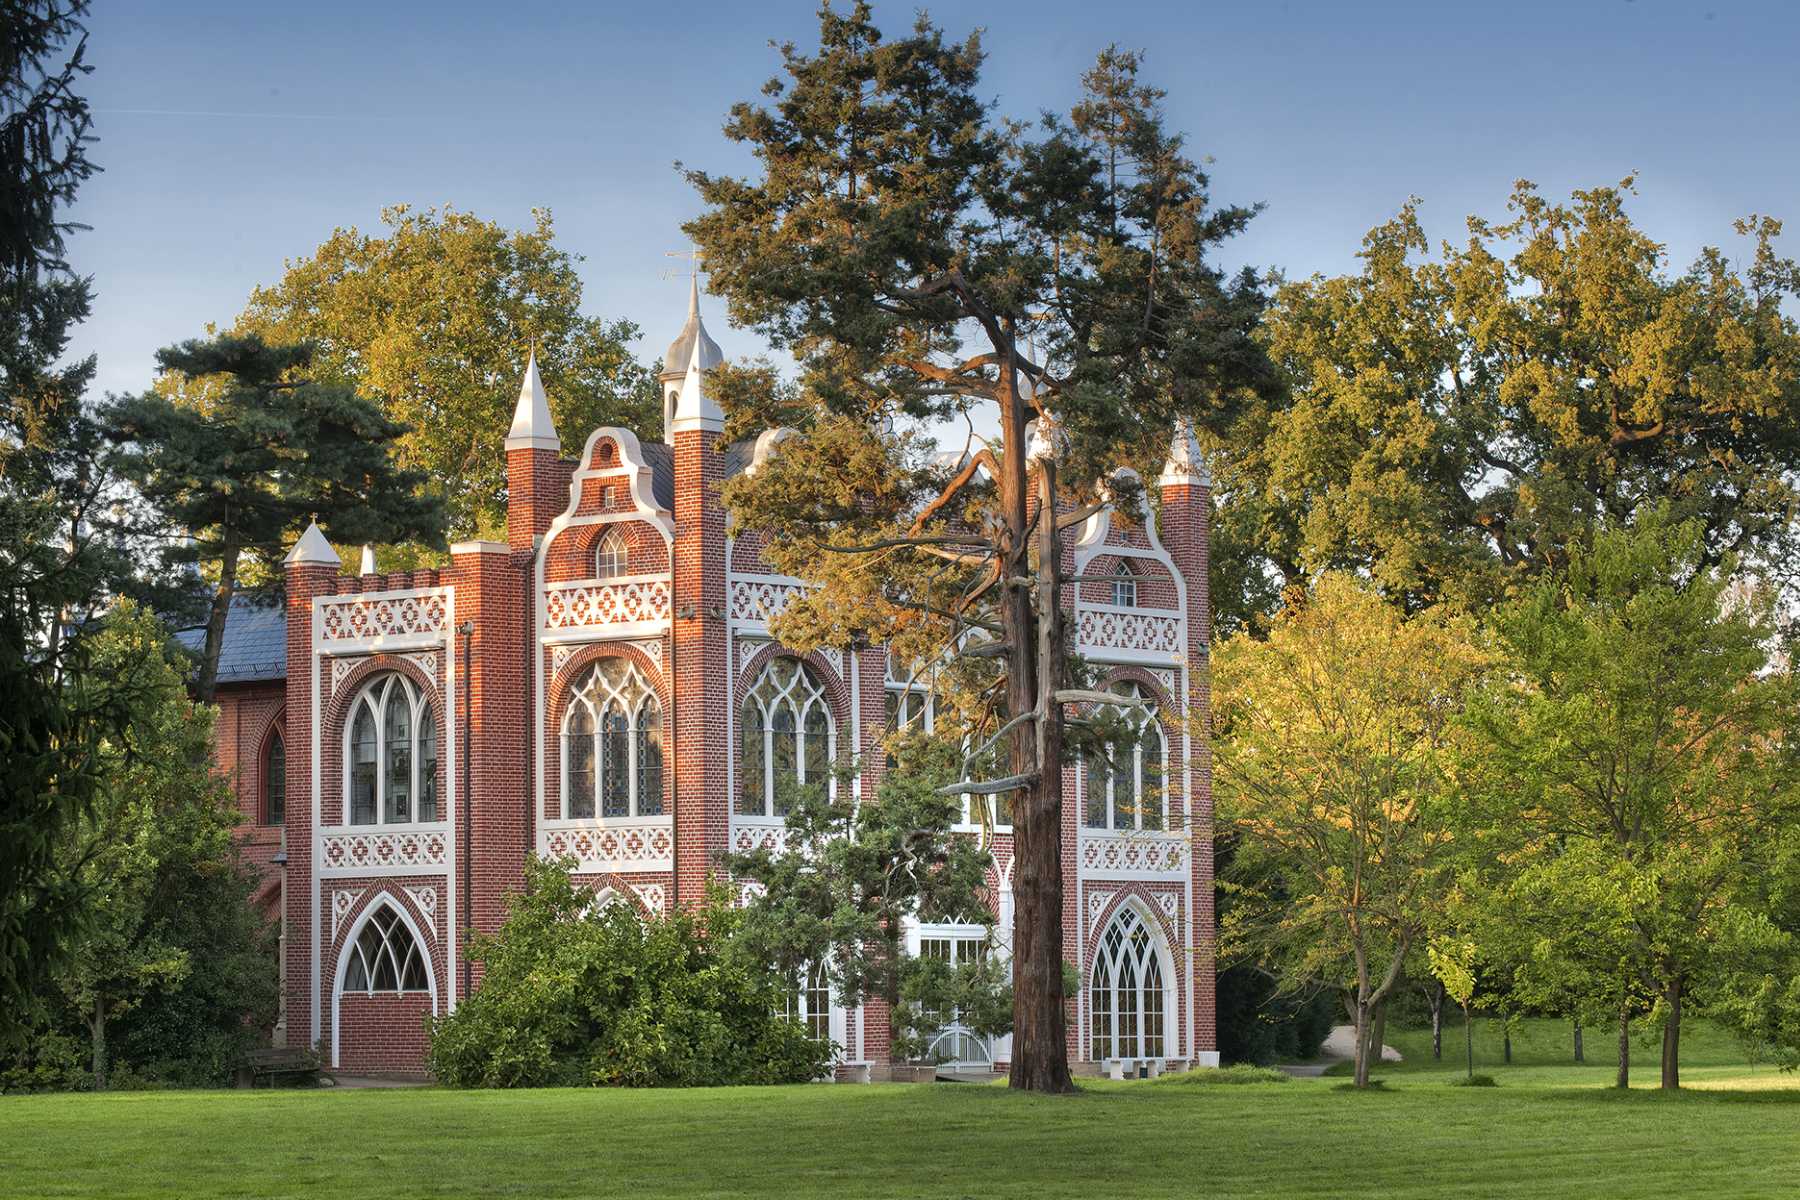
1671,1042
1434,996
1579,1056
1040,1061
1506,1044
1624,1080
1378,1035
1469,1040
215,623
1363,1021
97,1034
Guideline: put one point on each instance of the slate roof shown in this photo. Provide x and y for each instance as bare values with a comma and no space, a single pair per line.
255,641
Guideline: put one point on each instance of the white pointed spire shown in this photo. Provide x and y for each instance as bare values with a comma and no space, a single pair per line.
532,428
313,548
1187,464
368,560
694,407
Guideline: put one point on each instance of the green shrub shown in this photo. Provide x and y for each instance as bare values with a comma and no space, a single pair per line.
571,996
1240,1073
1474,1081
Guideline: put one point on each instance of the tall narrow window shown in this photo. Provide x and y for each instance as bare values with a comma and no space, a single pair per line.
788,737
612,744
1125,586
391,757
809,1002
1126,1005
275,781
1127,792
611,559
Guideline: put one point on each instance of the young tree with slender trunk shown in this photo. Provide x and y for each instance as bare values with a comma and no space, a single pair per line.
1335,760
1640,735
925,261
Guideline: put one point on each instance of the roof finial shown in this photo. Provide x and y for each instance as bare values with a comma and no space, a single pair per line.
368,560
532,428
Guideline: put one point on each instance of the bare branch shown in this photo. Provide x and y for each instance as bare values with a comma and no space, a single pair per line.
1011,783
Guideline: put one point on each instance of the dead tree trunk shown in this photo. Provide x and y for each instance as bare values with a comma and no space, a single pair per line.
1040,1060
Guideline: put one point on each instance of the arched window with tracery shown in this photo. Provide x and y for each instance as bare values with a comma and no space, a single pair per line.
1124,782
385,957
1124,586
612,559
274,780
788,737
612,744
1126,1000
390,754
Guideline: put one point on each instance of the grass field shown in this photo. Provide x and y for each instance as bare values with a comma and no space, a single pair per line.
1548,1130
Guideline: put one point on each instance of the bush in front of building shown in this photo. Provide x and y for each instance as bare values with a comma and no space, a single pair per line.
580,990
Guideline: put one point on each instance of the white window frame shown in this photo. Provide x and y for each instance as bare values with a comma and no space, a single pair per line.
374,697
1124,586
1146,708
633,693
985,941
612,556
1143,956
802,692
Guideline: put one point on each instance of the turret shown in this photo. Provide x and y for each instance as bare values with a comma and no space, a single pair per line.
537,480
686,403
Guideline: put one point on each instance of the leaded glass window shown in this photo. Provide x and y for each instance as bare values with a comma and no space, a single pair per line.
385,957
788,737
275,780
391,757
809,1002
1125,587
612,744
612,558
1126,1000
1124,785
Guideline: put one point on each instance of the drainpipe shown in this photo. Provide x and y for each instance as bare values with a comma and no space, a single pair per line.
466,851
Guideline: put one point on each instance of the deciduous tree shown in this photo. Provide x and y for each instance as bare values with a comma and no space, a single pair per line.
1335,761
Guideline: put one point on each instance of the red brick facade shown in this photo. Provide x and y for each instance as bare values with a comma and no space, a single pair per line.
492,648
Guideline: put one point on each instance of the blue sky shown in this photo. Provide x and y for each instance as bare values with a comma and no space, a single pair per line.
235,135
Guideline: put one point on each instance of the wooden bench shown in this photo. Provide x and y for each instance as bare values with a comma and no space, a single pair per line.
272,1063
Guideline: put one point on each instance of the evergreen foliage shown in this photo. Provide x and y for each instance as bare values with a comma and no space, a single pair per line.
270,452
575,996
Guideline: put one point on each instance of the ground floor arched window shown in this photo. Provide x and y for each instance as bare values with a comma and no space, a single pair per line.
1126,992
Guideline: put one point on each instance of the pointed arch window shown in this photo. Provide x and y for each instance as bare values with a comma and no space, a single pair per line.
391,754
1124,586
1126,992
789,738
1127,792
613,557
612,744
274,780
385,957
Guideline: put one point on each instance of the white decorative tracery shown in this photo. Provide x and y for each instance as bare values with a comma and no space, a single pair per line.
342,902
1127,994
426,898
745,838
1097,900
652,649
642,847
371,851
385,957
390,754
612,751
760,599
1170,903
789,737
581,604
1126,789
652,895
399,615
1133,854
1109,627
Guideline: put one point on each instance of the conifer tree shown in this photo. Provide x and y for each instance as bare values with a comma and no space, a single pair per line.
268,453
925,260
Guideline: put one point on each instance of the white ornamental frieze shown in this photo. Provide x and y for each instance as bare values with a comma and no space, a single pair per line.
384,851
1111,629
359,617
761,599
624,847
745,838
1115,853
583,605
343,900
652,895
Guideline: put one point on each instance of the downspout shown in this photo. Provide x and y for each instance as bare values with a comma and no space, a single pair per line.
529,612
464,802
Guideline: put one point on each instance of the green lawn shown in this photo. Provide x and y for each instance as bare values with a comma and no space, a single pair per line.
1548,1130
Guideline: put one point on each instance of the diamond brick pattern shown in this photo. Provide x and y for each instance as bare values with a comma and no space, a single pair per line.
584,605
